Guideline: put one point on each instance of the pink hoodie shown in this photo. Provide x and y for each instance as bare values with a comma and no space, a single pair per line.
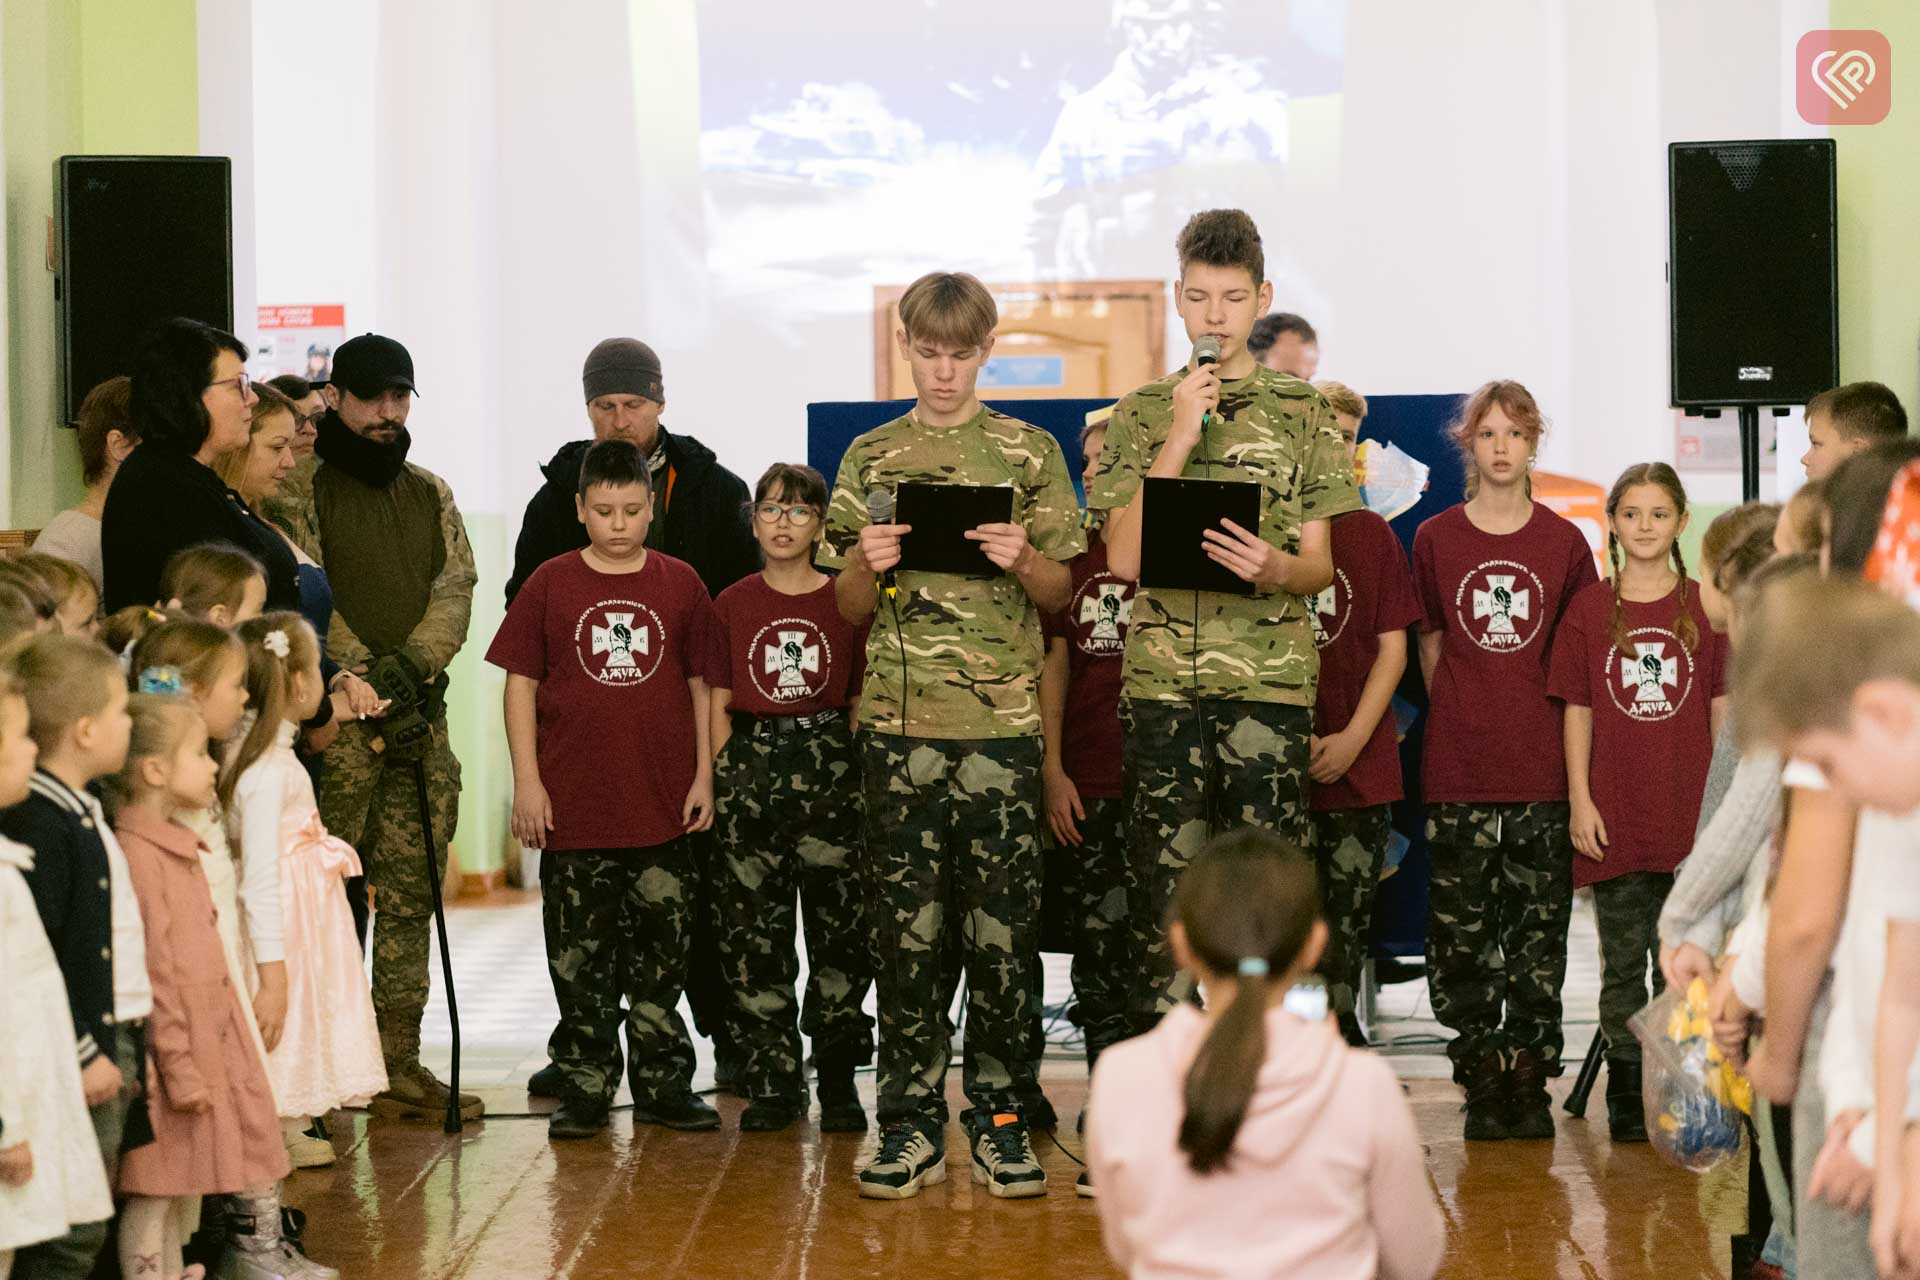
1327,1180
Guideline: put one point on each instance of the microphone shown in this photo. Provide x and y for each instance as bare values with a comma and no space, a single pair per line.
880,511
1206,351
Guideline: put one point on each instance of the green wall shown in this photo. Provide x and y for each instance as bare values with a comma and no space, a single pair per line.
1879,199
77,77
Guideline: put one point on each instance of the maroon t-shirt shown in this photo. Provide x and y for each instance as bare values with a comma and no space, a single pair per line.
613,653
1493,734
783,655
1652,723
1094,625
1371,595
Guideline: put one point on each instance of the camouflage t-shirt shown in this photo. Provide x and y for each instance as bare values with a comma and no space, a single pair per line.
1270,428
973,645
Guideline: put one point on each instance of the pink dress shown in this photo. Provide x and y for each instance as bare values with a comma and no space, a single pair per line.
329,1055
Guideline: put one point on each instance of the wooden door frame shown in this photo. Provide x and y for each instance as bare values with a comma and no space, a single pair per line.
887,296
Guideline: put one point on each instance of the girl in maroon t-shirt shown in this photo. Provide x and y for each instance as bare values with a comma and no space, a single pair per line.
1494,576
782,670
1640,670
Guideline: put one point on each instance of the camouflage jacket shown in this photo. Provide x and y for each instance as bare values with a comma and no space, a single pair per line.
972,645
1277,431
349,542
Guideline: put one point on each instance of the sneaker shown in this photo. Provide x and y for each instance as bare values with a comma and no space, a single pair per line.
307,1152
907,1160
1003,1159
1083,1186
548,1082
577,1117
415,1093
687,1112
1529,1108
768,1115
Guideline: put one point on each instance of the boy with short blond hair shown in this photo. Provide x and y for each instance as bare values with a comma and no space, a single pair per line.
950,746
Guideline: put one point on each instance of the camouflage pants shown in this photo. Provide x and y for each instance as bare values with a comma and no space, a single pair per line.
789,824
953,848
1626,910
373,805
1498,907
1191,772
617,924
1099,879
1349,850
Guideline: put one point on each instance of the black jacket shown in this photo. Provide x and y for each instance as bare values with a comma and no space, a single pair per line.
73,891
706,522
162,501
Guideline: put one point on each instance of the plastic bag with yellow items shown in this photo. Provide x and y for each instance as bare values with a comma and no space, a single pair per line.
1693,1096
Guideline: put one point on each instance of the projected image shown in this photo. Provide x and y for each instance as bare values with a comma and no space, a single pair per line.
1060,141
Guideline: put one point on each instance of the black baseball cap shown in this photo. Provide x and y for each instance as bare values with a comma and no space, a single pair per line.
369,364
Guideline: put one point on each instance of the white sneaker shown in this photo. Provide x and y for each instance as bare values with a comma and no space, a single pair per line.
305,1150
906,1161
1003,1159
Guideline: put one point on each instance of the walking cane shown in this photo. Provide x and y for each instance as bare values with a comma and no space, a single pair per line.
452,1124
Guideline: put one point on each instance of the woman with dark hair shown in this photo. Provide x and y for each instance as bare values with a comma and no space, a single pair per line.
191,402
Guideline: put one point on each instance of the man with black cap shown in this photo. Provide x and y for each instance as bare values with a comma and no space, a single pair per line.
397,557
699,507
699,516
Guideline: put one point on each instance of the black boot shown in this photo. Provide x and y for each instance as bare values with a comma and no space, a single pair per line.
840,1109
1487,1084
1626,1112
1529,1109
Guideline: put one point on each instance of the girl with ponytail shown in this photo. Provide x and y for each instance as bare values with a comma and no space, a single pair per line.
1244,1140
1643,676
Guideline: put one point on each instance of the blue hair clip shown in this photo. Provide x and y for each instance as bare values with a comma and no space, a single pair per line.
1253,967
163,680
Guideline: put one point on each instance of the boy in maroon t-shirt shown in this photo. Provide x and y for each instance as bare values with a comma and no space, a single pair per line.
782,669
1080,720
612,773
1360,627
1494,575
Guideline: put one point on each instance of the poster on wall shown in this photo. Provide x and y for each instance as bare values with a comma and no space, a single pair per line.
298,340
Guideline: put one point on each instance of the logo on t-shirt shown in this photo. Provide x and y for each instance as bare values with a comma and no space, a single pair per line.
1105,608
1498,604
1651,682
619,642
1330,608
790,660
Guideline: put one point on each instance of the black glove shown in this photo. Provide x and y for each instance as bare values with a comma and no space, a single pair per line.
404,735
400,679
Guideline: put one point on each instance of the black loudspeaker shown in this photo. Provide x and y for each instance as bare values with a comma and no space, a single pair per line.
141,238
1751,272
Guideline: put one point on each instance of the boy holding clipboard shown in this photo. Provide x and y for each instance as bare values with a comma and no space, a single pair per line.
1218,689
950,739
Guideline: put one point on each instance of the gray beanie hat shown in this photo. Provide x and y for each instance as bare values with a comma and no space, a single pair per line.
622,367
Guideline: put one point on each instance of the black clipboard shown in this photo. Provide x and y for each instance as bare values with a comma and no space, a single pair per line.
941,516
1172,553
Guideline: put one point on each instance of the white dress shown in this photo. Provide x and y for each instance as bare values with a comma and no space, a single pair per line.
40,1097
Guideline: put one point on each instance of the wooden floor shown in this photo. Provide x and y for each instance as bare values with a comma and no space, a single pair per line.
500,1200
